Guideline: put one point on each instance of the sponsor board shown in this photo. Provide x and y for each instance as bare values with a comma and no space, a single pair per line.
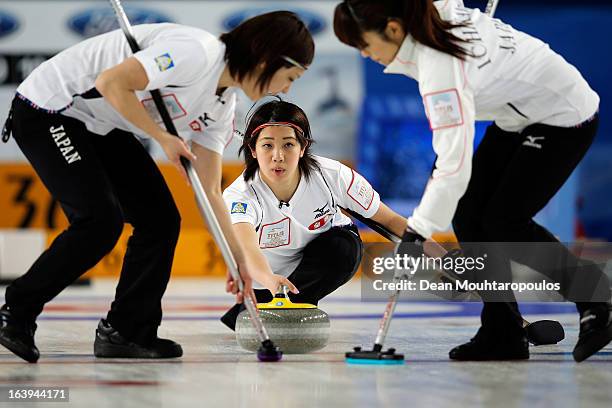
99,20
14,68
26,203
315,22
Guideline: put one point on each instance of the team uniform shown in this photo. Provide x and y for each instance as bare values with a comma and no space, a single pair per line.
515,80
184,63
285,229
87,156
308,239
545,118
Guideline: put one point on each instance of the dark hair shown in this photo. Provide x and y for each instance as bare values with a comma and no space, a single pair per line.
277,112
419,18
267,38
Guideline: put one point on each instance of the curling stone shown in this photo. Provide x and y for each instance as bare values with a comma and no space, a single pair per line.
296,328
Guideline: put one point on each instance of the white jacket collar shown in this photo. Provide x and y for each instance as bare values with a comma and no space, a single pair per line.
405,58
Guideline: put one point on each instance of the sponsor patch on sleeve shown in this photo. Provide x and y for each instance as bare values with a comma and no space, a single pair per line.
164,62
361,191
443,109
238,208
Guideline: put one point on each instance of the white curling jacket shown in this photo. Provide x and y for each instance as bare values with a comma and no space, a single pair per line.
284,229
513,79
184,63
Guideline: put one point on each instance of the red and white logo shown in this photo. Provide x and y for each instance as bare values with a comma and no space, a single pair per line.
195,126
319,223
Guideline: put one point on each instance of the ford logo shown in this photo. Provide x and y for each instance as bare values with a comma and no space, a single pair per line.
100,20
313,21
8,24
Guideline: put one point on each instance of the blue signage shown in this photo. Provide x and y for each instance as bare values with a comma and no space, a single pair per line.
95,21
8,24
314,21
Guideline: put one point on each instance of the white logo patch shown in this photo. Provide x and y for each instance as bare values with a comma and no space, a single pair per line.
361,191
532,141
276,234
443,109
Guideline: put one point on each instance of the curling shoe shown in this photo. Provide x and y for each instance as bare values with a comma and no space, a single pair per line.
17,336
110,343
595,331
230,317
481,349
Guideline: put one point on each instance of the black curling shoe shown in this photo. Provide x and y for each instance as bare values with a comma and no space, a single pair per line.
595,331
18,337
478,349
110,344
230,317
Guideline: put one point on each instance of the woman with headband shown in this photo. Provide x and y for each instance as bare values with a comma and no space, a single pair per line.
471,67
75,118
286,209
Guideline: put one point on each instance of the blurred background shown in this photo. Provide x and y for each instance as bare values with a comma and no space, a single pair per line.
372,121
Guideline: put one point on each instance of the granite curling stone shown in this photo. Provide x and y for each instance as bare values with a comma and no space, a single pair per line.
297,328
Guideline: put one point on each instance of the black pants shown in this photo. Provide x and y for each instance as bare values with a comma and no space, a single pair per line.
514,175
111,180
329,261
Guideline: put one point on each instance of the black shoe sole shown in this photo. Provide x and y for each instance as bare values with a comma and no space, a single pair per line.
24,352
596,342
471,352
492,357
109,350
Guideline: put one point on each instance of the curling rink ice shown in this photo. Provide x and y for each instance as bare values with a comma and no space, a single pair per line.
216,372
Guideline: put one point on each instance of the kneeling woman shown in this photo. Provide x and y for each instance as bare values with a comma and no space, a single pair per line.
285,209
